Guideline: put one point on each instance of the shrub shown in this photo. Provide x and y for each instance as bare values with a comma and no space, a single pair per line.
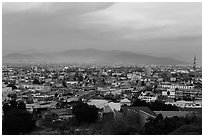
85,113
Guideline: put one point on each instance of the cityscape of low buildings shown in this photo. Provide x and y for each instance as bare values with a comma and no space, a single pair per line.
49,88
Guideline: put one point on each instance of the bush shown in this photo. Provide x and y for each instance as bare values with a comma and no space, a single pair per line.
17,122
192,129
163,126
85,113
117,127
16,119
124,125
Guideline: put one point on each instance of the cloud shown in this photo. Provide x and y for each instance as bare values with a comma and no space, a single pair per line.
135,26
163,19
53,8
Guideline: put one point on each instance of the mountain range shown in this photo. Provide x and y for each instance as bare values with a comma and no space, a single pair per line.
88,56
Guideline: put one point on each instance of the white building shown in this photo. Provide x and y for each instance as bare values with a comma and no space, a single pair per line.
187,104
148,98
169,92
72,82
125,102
176,86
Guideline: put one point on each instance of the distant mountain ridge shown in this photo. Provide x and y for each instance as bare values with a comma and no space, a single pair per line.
89,56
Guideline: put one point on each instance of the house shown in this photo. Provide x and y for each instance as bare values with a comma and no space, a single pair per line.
188,104
99,103
179,94
72,82
169,100
176,86
125,102
64,113
114,106
169,92
40,105
148,97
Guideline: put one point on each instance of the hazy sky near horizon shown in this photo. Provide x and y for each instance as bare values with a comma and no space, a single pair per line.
159,29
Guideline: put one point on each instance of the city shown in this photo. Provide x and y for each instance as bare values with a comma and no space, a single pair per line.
50,93
101,68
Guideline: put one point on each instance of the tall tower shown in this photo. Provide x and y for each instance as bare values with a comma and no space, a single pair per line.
194,63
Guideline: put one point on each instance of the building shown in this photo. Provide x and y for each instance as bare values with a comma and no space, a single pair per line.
169,93
176,86
187,104
147,71
179,94
125,102
148,98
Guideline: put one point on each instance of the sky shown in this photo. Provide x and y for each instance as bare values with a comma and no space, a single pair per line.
159,29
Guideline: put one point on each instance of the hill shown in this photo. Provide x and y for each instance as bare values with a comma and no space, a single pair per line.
89,56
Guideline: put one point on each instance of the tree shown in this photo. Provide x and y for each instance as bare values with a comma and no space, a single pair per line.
118,127
56,95
13,96
36,81
80,78
139,102
13,104
6,108
64,84
173,125
85,113
128,124
12,86
192,129
17,121
22,105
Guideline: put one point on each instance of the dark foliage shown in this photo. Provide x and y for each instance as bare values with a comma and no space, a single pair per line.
6,108
124,125
16,119
163,126
192,129
12,86
85,113
64,84
36,81
22,105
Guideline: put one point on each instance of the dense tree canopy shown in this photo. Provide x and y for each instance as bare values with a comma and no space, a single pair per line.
16,120
173,125
12,86
85,113
128,124
36,81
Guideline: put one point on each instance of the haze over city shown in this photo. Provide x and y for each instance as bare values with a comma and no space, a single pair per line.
158,29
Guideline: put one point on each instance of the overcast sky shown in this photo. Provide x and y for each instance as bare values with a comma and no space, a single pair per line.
160,29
